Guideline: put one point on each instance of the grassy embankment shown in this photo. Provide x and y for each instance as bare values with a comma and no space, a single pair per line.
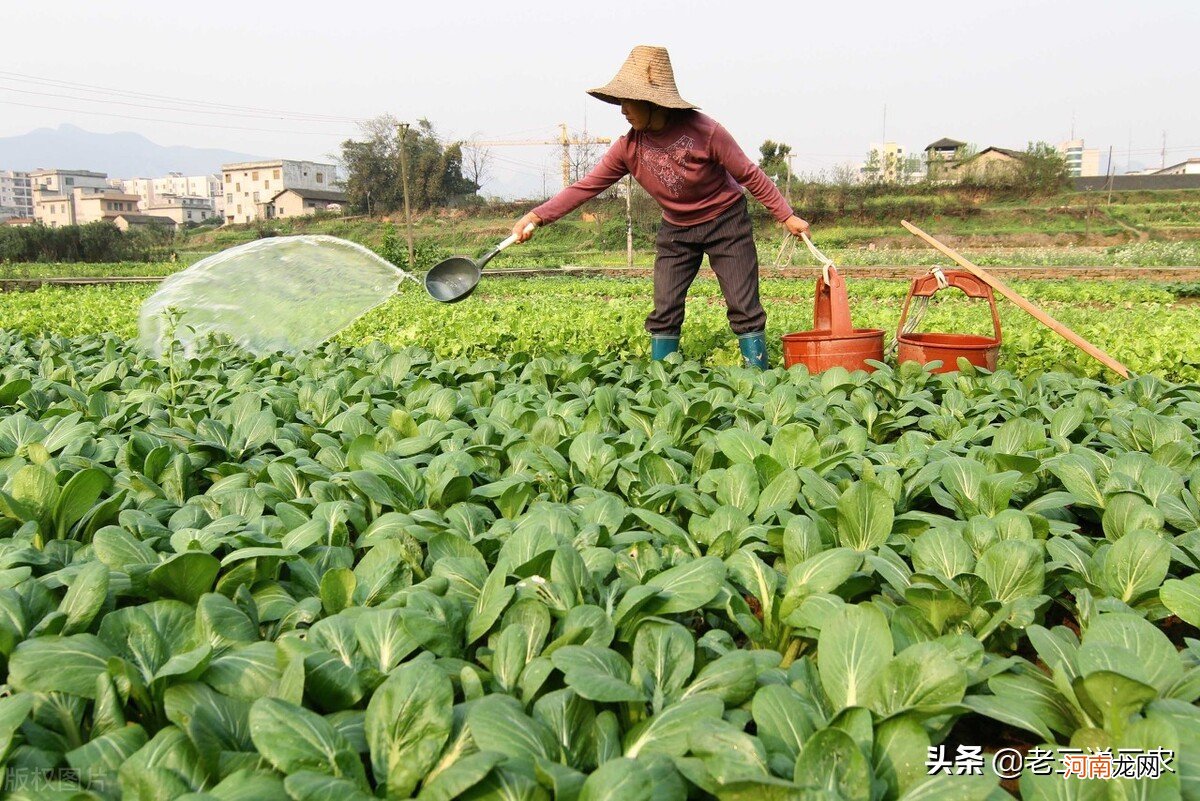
1139,229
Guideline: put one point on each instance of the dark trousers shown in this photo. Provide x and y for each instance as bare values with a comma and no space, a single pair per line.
729,242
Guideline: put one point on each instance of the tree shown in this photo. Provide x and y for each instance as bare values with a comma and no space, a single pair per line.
1043,168
909,168
774,160
372,163
873,169
582,156
476,163
890,167
373,166
843,175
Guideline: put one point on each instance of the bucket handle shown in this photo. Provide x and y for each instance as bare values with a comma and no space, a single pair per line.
831,309
929,285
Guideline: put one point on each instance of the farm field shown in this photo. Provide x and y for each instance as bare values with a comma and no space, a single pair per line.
489,551
337,463
1138,322
374,572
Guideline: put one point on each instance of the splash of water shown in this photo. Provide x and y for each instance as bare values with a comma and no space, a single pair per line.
278,294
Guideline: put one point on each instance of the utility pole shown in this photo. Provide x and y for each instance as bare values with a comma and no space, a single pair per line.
404,186
629,221
566,156
789,178
1110,176
1164,151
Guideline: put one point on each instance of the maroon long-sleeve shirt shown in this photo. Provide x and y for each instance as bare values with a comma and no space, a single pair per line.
692,167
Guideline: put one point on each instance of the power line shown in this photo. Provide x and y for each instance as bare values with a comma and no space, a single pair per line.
540,168
478,135
168,108
165,122
24,78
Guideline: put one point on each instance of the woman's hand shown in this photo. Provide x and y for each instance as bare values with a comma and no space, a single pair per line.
795,225
521,224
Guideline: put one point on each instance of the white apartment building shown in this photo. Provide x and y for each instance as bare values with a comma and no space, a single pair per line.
16,194
151,190
249,186
1081,162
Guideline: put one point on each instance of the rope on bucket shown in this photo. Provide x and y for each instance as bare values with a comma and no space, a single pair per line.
918,310
825,261
787,251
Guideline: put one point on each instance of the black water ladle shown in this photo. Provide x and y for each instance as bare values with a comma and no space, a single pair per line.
455,278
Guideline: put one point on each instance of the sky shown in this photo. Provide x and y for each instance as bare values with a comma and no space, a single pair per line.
289,79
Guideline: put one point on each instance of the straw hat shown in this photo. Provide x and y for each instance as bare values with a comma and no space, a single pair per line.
645,75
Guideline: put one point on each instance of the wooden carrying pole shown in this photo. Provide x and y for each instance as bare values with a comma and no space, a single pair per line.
1039,315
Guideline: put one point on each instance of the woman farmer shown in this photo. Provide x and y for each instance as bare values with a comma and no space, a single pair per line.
691,165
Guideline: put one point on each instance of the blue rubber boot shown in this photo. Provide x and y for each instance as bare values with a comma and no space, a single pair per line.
754,349
662,346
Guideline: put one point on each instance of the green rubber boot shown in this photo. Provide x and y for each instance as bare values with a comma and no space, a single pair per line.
662,346
754,349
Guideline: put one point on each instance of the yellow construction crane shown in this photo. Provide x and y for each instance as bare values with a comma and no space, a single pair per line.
564,139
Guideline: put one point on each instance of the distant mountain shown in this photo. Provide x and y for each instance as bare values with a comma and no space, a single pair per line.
121,155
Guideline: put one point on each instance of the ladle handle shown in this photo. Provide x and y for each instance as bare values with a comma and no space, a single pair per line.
512,239
491,254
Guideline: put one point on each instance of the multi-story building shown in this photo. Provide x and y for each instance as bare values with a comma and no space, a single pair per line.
250,186
1081,162
79,197
54,210
181,209
889,163
63,182
54,193
16,194
104,205
82,206
942,156
176,184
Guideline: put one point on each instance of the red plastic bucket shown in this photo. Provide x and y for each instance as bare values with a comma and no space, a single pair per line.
980,351
833,342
